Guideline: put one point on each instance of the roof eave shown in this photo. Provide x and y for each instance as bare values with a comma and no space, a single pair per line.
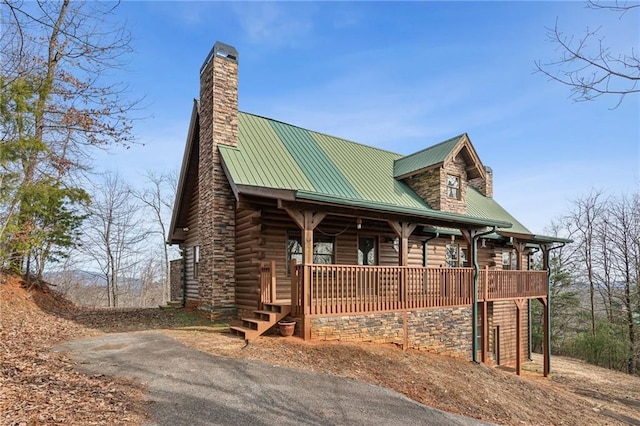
451,218
174,238
533,238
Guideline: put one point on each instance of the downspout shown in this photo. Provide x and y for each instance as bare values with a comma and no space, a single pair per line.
532,251
184,275
424,245
474,308
547,258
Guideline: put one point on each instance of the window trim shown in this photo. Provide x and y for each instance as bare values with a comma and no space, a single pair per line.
297,235
458,189
375,249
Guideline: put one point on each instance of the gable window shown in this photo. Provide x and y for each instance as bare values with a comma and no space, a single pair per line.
367,251
456,256
323,249
453,186
196,260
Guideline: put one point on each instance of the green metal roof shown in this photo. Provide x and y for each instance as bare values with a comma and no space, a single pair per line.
435,154
272,154
480,206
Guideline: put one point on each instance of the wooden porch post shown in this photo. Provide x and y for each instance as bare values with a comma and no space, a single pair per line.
307,222
519,304
485,316
403,231
546,350
274,295
520,247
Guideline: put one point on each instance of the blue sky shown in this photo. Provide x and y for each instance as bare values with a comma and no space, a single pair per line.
399,76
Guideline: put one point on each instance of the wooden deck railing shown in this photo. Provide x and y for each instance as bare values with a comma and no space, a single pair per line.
503,285
267,283
349,289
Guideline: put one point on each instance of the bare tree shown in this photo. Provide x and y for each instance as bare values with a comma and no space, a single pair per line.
114,231
157,197
55,55
588,65
584,223
624,221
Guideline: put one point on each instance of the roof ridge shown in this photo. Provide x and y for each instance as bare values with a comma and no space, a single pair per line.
323,134
433,146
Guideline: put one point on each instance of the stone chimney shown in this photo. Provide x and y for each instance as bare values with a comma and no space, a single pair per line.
218,122
488,184
485,186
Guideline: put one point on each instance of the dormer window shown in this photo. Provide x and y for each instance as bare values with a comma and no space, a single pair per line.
453,186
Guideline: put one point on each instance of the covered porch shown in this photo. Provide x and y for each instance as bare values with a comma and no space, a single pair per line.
320,290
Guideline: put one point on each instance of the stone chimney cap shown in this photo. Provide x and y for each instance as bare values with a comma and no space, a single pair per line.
222,50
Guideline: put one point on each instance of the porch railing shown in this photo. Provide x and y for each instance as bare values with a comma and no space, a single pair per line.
349,289
503,285
267,283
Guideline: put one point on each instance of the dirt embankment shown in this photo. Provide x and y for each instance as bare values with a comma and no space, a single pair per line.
41,387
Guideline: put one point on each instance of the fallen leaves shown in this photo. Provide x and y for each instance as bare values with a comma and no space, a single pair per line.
41,387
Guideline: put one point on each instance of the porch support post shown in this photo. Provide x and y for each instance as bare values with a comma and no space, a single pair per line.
472,236
519,304
485,316
307,222
403,231
520,248
546,350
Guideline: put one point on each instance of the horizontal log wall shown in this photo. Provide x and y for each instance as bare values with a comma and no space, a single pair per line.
192,292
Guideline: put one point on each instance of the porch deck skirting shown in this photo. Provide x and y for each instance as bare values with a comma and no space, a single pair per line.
440,330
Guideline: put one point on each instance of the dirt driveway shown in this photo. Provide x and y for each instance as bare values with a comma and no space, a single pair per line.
188,387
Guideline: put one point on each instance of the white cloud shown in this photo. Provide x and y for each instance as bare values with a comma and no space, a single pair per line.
270,23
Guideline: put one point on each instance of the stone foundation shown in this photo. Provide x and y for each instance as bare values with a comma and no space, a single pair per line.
446,330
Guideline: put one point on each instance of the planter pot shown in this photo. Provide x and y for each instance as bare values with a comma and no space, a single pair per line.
287,328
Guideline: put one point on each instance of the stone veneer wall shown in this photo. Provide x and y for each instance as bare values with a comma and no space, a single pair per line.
216,221
175,279
457,167
427,186
485,186
446,330
431,186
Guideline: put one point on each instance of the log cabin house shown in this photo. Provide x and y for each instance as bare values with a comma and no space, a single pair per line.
355,242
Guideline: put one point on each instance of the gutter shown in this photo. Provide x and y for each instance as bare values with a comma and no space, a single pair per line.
529,317
474,307
547,257
424,245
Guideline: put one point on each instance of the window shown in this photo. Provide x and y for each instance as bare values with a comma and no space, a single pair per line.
323,249
452,255
457,256
367,251
509,260
196,260
463,258
453,187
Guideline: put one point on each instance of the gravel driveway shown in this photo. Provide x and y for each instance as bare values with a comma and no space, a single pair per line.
188,387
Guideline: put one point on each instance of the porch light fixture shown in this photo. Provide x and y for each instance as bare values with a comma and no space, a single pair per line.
358,223
453,239
483,243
